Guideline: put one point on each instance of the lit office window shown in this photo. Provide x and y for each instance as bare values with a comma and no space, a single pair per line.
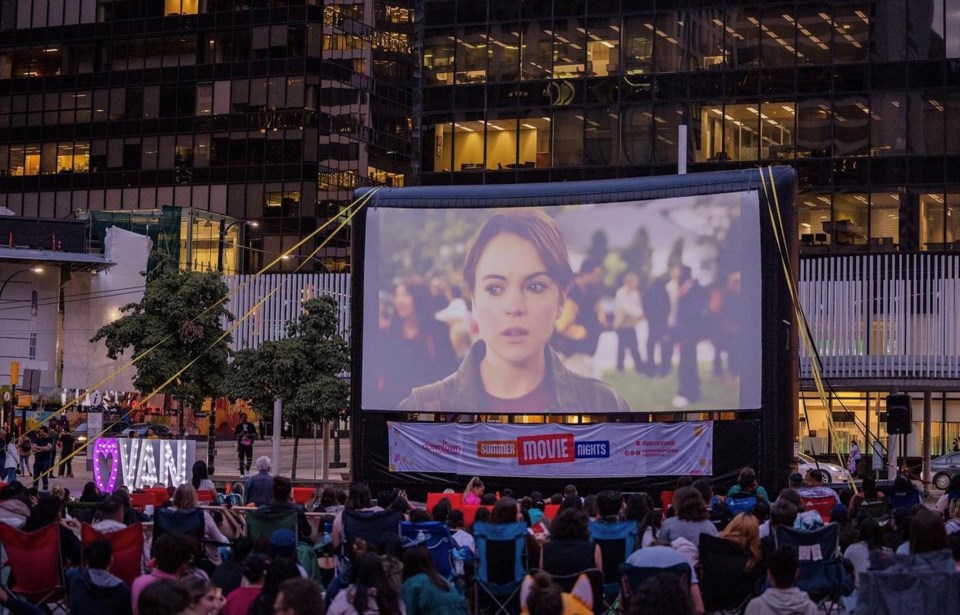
181,7
569,48
472,54
851,32
814,33
603,47
848,228
888,128
778,36
502,141
504,52
884,220
813,216
705,30
536,50
638,44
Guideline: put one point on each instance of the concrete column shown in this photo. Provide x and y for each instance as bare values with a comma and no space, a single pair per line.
927,474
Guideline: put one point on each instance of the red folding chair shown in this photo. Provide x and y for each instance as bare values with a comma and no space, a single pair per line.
470,513
302,494
666,499
822,505
34,561
141,500
160,495
205,496
456,500
550,511
127,549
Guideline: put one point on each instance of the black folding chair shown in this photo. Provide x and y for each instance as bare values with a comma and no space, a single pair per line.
820,572
500,565
725,584
632,577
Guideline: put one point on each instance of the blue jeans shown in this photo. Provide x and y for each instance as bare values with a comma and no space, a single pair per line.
39,467
9,475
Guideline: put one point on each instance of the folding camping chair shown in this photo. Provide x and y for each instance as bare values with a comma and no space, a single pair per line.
740,503
186,523
616,541
456,500
127,547
822,504
34,561
820,572
595,576
632,577
902,589
435,536
262,523
500,566
724,584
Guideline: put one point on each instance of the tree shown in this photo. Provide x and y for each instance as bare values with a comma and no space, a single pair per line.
302,370
182,314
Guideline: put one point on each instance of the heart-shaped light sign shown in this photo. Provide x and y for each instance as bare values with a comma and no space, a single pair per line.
106,463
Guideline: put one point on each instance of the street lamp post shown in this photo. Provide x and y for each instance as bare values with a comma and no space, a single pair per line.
212,427
3,287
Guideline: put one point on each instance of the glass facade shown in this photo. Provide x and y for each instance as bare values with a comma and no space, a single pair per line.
264,110
855,95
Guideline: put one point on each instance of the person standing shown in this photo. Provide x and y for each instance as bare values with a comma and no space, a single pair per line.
25,444
67,443
245,433
582,320
853,458
12,460
627,312
42,458
688,318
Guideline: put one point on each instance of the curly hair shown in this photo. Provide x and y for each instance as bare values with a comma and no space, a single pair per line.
570,523
689,505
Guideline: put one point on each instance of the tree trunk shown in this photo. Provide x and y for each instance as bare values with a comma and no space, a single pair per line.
293,462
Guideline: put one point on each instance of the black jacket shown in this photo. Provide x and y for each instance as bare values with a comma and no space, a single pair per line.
99,594
463,390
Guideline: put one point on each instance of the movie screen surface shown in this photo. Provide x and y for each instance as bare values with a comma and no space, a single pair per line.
641,306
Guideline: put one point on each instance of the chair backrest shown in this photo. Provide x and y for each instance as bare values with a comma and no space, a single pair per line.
616,541
141,500
724,583
302,494
822,505
263,523
666,499
185,522
127,547
206,495
500,548
886,592
740,503
34,558
877,508
550,511
632,577
595,576
820,571
435,536
470,513
160,495
456,500
370,526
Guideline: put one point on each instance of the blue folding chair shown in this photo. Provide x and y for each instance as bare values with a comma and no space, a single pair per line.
740,503
820,572
616,541
500,566
435,536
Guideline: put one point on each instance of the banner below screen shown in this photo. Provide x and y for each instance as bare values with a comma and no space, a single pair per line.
600,450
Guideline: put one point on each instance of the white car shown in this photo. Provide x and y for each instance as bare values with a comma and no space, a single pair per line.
832,473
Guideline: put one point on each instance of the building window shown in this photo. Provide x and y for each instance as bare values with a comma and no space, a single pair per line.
33,345
813,215
281,204
884,220
747,132
536,50
848,229
180,7
638,44
637,129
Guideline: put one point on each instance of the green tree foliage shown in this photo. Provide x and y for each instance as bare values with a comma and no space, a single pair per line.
303,370
181,313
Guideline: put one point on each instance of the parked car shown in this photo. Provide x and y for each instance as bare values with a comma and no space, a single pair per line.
141,430
80,434
945,468
832,473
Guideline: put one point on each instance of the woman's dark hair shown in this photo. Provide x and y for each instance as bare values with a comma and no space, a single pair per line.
390,545
662,594
869,487
901,484
359,496
572,501
705,487
689,505
90,493
504,511
871,533
532,225
300,596
927,532
255,566
747,478
488,499
417,560
590,506
419,515
368,573
163,597
279,570
199,473
545,597
441,510
640,509
328,497
483,516
44,513
570,524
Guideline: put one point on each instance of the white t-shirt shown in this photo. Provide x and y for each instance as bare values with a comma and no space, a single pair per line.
464,539
13,456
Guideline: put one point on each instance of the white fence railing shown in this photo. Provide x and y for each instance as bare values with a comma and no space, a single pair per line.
269,321
883,316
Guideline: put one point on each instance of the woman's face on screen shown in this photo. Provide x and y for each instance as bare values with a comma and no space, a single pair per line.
516,303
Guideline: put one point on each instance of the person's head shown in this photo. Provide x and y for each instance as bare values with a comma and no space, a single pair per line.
631,281
518,272
185,497
243,418
263,464
328,497
237,488
123,495
241,548
150,432
543,596
927,532
203,595
281,489
411,299
297,597
279,570
795,480
663,594
871,533
359,496
385,498
43,431
901,485
483,516
813,478
590,273
474,486
869,486
783,513
782,568
747,479
488,499
441,510
744,530
172,553
506,510
199,473
255,568
98,554
570,524
46,511
417,560
112,508
609,503
705,487
163,597
283,543
367,573
570,491
689,505
455,519
90,493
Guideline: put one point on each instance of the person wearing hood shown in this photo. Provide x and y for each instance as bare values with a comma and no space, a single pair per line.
782,598
97,591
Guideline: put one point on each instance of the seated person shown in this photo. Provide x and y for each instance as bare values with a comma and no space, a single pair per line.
96,590
782,597
111,516
813,487
747,484
282,501
661,556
